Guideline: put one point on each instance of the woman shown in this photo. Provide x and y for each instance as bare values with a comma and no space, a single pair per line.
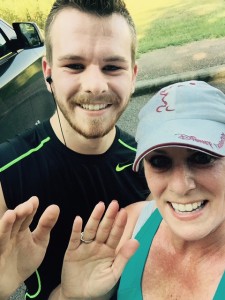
179,245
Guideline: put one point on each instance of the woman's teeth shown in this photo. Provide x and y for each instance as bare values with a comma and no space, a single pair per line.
93,106
187,207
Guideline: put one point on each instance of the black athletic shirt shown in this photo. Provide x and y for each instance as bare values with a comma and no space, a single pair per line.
36,163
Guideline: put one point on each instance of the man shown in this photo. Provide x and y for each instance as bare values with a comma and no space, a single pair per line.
79,157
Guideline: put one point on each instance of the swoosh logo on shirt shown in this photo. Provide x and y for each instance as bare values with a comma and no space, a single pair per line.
120,168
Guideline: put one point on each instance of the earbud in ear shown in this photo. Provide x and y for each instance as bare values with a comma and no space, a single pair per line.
49,79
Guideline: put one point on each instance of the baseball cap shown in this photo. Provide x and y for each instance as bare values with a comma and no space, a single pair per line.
188,114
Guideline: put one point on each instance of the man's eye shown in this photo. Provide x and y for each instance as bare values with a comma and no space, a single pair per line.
75,66
160,162
111,68
200,158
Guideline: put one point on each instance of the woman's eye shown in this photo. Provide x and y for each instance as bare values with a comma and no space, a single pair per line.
160,162
201,158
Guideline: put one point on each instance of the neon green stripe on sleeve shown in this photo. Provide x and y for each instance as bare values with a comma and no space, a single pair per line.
127,146
16,160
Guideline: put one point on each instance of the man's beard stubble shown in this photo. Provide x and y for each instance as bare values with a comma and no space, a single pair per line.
95,128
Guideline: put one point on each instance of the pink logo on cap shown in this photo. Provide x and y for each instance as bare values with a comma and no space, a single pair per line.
194,139
220,145
221,142
165,106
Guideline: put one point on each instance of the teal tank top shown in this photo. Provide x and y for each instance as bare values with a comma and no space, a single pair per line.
130,286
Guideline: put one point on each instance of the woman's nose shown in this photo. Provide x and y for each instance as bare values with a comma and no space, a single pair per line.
181,180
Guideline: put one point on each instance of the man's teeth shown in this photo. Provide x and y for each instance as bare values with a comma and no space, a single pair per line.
187,207
93,106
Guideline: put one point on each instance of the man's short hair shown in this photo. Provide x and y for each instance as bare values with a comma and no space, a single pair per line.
101,8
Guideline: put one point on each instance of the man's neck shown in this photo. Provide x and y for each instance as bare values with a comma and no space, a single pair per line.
81,144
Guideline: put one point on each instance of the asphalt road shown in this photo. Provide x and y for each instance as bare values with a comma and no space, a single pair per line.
129,120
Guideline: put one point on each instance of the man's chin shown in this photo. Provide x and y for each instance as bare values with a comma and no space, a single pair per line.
94,133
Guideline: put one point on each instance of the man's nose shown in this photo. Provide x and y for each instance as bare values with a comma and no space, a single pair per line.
181,180
94,81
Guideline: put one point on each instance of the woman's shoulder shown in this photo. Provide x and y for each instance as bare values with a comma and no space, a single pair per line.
134,210
143,216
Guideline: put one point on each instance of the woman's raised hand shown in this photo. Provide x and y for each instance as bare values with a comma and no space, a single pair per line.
22,251
92,263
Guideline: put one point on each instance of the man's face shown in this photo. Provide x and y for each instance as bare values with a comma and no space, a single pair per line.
92,72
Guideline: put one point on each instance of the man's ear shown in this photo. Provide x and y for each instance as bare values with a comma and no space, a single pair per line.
47,71
134,77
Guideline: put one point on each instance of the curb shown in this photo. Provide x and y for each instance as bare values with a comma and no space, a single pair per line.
148,86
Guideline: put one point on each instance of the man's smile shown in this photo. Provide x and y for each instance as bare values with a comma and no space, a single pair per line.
93,106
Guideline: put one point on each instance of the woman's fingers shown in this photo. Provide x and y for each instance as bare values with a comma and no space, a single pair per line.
24,215
6,225
28,218
99,228
16,220
102,228
75,235
13,222
105,227
117,229
124,254
91,227
45,224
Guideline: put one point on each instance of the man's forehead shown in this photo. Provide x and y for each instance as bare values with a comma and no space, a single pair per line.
74,28
74,31
73,18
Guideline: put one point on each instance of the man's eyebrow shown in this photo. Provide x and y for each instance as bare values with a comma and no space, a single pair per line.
115,58
70,57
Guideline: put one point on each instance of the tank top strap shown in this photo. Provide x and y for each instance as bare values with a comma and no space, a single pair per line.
130,286
220,292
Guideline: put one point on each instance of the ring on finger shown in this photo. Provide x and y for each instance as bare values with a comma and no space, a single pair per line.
83,240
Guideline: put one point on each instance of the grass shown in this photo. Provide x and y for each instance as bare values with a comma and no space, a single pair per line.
159,23
165,23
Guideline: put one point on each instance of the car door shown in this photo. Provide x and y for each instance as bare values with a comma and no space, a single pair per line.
24,99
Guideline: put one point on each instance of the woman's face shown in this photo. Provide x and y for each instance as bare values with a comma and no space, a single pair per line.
189,189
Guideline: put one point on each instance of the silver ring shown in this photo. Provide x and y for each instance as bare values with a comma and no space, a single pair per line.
83,240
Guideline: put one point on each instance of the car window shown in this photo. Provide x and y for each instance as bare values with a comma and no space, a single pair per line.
8,30
3,46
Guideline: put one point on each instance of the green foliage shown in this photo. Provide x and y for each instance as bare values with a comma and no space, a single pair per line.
29,10
160,23
8,15
37,16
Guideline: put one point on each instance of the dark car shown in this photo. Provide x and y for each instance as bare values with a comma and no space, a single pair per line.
24,98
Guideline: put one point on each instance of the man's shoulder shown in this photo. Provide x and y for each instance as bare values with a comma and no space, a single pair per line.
27,141
125,135
126,140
